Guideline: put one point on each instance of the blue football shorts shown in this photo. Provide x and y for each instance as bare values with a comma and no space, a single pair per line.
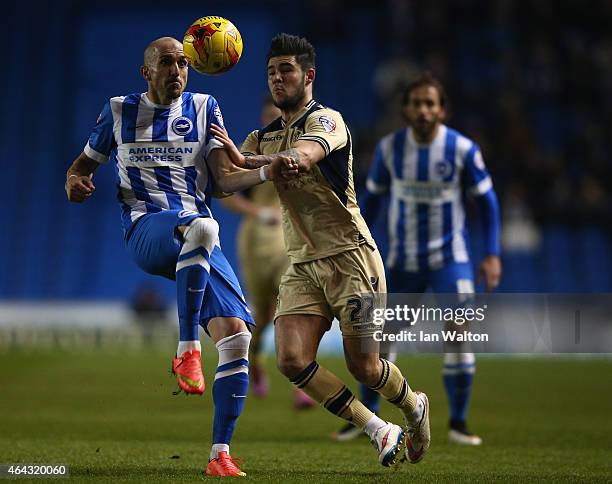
453,278
154,242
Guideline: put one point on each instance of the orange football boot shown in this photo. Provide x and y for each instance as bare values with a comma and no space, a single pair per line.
224,465
188,371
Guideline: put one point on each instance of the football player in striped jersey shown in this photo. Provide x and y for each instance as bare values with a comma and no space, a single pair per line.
168,165
428,168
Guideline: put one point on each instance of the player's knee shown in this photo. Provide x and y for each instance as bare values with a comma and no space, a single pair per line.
233,326
290,364
235,346
365,372
456,357
203,232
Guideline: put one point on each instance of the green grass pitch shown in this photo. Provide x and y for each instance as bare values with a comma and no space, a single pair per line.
111,417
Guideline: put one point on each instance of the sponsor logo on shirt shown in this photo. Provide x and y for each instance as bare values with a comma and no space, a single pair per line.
266,139
156,153
422,191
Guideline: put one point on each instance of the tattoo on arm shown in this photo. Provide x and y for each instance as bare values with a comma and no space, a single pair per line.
257,161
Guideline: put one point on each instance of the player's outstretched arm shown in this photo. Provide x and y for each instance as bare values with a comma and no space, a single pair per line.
304,153
230,178
237,158
231,149
79,186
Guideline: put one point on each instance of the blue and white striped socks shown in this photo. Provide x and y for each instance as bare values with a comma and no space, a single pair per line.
192,274
230,388
458,376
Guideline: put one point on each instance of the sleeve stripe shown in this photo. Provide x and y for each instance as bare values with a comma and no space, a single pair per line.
319,140
95,155
482,187
375,188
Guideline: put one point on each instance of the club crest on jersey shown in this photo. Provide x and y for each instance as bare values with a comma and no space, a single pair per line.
182,126
328,123
444,169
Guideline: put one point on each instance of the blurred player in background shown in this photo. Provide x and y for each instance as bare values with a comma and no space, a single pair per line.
334,260
428,168
263,259
166,159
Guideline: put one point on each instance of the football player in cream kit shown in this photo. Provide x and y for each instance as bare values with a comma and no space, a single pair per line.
167,163
263,261
334,260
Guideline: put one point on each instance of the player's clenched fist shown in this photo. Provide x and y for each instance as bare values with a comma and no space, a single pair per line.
289,167
79,188
282,167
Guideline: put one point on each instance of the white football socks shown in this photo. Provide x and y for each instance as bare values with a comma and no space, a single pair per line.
418,411
216,448
373,425
185,346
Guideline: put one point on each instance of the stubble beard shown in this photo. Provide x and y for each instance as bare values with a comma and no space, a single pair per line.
291,103
425,132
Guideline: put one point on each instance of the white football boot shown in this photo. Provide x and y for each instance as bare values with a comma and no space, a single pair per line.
419,434
388,440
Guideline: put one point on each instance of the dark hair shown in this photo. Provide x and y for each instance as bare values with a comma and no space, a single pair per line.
287,44
426,79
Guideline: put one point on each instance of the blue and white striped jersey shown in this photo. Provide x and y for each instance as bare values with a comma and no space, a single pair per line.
427,183
159,152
